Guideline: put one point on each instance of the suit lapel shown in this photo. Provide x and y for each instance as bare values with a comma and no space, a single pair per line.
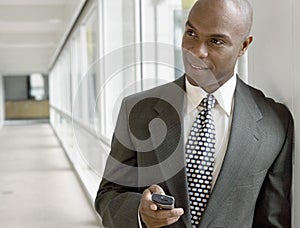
173,165
244,142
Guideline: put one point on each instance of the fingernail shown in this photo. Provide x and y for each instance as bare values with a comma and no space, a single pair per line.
153,207
180,212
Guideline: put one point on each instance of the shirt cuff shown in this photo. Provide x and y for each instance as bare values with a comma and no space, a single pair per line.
139,220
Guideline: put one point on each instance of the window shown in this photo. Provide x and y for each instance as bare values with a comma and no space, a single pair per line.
162,23
37,87
118,61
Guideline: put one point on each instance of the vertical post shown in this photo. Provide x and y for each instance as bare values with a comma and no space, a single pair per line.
2,106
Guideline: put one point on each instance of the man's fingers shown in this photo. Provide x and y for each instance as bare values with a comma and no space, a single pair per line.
151,215
146,201
156,189
170,221
148,193
162,214
153,207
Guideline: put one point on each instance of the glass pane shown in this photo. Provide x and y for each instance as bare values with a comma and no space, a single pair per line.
76,72
162,23
92,57
119,61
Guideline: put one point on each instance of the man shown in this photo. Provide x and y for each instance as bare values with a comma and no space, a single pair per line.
249,172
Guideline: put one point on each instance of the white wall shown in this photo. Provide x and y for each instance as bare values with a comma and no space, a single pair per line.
274,64
296,104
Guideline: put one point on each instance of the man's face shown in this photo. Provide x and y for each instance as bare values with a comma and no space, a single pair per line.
213,40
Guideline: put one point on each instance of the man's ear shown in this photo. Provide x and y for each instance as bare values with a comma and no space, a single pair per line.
245,45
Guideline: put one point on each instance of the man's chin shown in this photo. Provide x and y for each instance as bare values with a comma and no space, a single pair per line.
207,84
205,78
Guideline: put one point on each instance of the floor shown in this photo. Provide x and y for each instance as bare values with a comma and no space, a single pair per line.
38,188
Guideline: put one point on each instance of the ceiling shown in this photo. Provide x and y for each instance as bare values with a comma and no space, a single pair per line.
32,33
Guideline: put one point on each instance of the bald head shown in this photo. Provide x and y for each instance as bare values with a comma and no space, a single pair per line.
237,12
216,35
246,13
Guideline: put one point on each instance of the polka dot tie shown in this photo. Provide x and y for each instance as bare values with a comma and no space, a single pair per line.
200,150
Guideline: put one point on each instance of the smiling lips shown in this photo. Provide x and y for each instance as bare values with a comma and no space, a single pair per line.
195,63
198,67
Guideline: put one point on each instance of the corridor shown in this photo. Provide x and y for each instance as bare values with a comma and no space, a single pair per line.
38,188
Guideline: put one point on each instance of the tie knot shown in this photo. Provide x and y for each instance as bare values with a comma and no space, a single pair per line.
208,102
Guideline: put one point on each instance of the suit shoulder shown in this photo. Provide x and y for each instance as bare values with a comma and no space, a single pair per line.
168,90
268,105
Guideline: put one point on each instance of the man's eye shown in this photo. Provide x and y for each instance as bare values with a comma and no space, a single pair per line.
217,42
191,33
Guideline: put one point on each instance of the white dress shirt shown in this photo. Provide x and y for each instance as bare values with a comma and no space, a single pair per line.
222,115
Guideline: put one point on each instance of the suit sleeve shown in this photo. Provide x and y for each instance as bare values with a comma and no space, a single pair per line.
118,197
273,207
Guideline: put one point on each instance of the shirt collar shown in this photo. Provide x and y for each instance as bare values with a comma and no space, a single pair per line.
223,95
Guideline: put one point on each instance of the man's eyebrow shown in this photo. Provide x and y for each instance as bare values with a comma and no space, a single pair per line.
188,23
223,36
217,35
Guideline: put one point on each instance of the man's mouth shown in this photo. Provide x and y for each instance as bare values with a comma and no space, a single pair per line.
196,67
195,63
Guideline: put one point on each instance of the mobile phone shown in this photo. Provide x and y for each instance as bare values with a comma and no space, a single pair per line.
163,201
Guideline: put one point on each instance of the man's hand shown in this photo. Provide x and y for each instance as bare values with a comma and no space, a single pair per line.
151,215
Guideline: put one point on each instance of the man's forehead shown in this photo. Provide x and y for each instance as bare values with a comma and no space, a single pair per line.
212,9
230,12
217,19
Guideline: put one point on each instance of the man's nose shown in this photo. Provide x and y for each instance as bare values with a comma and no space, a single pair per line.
200,50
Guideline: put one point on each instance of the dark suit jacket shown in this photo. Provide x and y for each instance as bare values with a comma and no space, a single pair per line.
254,185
